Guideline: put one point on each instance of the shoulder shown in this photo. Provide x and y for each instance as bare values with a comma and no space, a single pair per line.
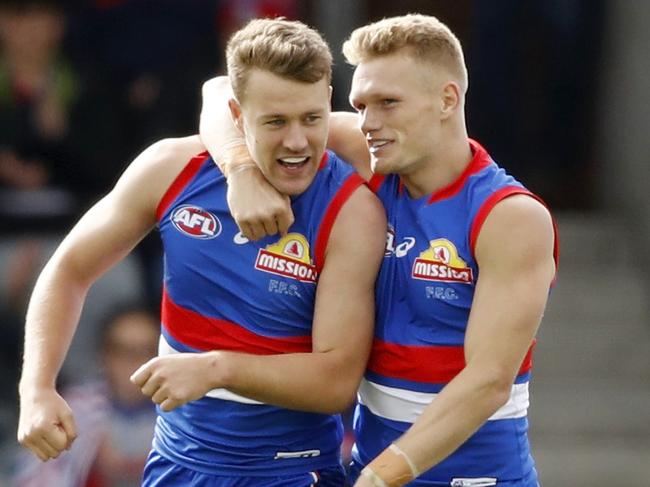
361,221
518,229
152,172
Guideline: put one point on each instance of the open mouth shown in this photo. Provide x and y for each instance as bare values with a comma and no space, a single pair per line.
293,162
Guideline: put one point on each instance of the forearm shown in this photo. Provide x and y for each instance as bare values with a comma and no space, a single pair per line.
316,382
224,141
456,413
52,317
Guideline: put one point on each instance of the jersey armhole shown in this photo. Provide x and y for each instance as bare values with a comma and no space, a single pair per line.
490,203
375,182
342,195
179,183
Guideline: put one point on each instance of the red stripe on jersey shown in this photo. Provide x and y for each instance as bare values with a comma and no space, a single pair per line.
342,195
324,160
182,180
375,182
428,364
491,201
205,333
480,161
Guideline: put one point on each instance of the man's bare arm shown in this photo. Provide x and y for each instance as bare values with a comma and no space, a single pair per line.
324,380
515,255
103,236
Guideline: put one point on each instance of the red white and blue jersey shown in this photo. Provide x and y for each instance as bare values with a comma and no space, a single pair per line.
223,292
424,293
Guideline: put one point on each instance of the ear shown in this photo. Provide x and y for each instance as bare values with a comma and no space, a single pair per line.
449,100
236,114
330,96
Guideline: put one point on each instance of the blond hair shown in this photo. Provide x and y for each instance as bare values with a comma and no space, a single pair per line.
423,35
286,48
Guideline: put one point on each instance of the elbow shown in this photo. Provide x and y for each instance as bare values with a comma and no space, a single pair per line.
341,395
338,404
496,390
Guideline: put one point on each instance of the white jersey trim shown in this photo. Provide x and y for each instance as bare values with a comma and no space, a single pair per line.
407,406
164,348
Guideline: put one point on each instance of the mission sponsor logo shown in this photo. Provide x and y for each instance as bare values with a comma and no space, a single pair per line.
289,257
440,262
196,222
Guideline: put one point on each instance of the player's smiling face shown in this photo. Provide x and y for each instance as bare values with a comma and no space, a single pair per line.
285,123
399,112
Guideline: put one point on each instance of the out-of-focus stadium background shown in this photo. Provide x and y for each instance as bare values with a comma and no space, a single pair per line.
559,94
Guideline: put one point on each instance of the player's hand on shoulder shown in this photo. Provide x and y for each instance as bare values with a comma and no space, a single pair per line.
46,426
173,380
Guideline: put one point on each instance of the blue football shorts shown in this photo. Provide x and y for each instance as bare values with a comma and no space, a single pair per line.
161,472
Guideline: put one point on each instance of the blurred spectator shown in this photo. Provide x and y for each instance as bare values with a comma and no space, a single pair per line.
55,129
153,55
114,420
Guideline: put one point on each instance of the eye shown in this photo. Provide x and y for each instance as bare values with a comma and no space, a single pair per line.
388,101
312,118
276,122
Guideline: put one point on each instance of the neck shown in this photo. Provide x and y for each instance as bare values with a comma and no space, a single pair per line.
442,168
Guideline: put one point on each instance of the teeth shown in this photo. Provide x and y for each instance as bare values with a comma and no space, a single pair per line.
293,160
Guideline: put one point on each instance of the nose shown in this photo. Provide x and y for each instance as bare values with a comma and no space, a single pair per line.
368,121
295,139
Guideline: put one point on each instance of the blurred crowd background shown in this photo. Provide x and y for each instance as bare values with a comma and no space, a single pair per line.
559,94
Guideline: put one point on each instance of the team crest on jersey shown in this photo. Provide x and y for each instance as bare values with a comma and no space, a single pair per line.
440,262
195,222
288,257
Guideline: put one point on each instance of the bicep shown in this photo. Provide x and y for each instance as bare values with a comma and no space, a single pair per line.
514,252
344,312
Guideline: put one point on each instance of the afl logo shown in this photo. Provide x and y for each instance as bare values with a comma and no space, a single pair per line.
196,222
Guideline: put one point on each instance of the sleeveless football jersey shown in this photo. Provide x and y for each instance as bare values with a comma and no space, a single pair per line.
223,292
424,293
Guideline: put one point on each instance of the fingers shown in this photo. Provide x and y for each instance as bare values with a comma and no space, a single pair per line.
253,231
49,442
284,219
69,428
267,225
141,376
169,405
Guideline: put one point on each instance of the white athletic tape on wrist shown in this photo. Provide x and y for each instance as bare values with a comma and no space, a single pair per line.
376,480
414,470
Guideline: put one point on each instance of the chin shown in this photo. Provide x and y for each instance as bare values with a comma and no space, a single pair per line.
291,189
378,167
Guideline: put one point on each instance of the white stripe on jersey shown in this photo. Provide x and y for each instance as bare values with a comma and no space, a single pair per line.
164,348
407,406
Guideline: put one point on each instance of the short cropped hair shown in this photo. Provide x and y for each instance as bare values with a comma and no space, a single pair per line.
425,36
286,48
